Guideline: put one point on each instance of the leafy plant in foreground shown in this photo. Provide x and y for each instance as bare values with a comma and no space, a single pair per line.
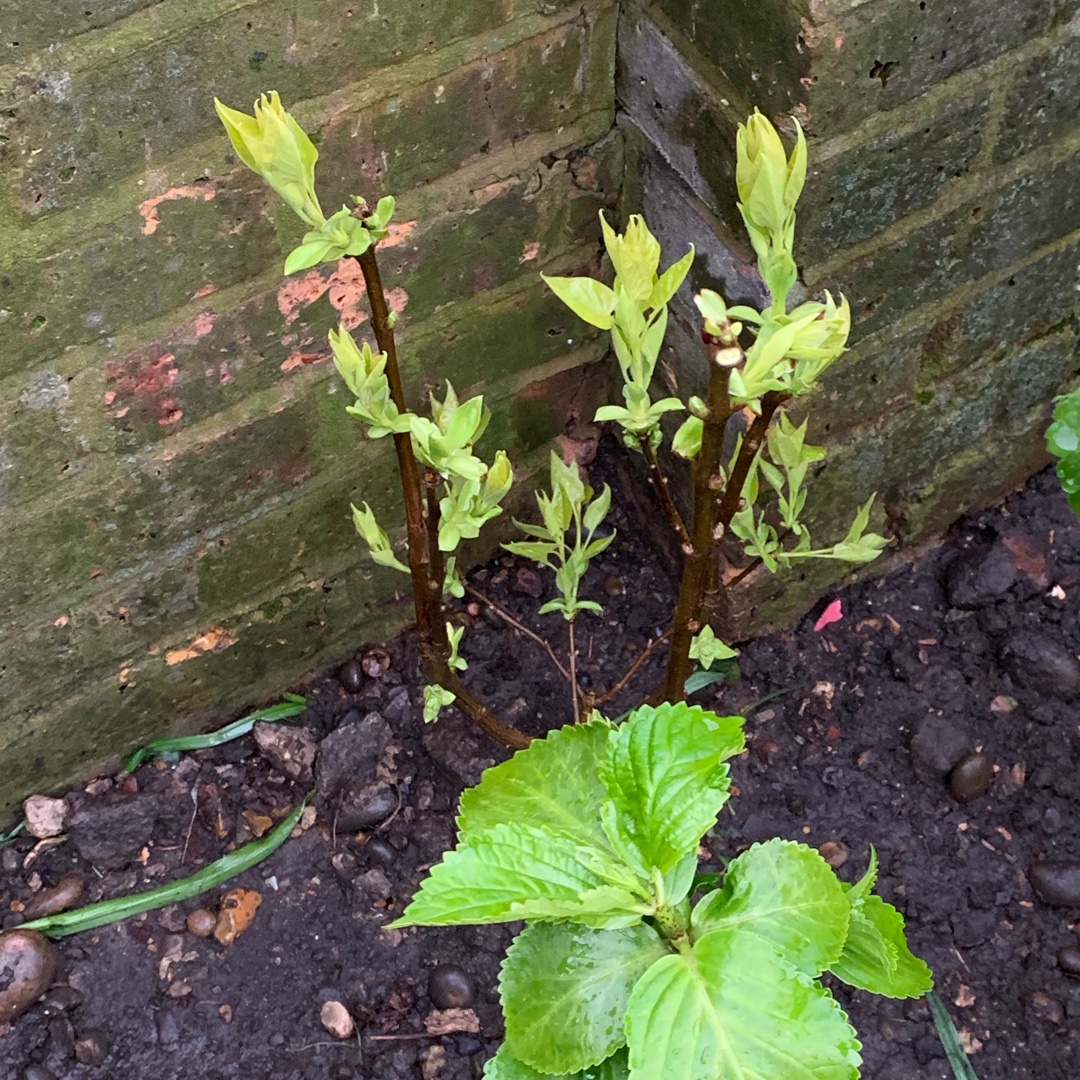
591,836
750,501
1063,441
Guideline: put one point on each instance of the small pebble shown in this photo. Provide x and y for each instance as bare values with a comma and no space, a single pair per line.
44,816
1056,882
939,744
379,851
835,853
201,922
375,662
972,777
336,1019
1068,959
10,860
1042,663
28,961
351,676
92,1048
450,987
613,586
364,809
64,894
61,999
38,1072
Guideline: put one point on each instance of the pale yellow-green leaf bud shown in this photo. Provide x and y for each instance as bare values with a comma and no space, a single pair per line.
769,182
824,338
274,145
635,255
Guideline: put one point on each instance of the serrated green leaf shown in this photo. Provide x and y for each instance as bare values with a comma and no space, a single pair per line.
554,785
786,895
586,297
667,782
512,872
877,931
565,988
504,1066
733,1008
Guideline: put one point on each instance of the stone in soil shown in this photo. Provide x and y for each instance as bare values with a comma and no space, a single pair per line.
289,750
451,987
1068,959
201,922
938,745
64,894
971,777
38,1072
362,810
92,1048
1056,882
351,676
27,966
980,577
1041,663
44,816
349,756
336,1019
111,835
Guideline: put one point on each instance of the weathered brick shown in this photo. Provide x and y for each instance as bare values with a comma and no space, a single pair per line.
880,56
1043,102
983,235
30,26
198,237
854,195
118,113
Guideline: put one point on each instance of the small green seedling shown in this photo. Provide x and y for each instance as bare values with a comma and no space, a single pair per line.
591,836
1063,441
750,500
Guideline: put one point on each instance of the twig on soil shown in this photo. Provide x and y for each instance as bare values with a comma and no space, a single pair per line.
635,667
573,674
520,627
191,823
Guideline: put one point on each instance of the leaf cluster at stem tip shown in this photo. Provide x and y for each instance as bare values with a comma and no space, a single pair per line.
591,836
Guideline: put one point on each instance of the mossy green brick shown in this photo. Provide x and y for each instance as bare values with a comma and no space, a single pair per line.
1043,100
854,195
208,236
33,25
987,233
883,55
105,111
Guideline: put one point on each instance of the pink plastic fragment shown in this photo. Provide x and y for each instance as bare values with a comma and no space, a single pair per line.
833,613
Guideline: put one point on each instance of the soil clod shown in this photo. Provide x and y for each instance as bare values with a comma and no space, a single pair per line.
939,744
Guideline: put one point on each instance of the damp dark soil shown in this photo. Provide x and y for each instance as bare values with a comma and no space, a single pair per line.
935,720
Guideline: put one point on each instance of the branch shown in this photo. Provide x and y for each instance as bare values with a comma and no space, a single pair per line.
660,486
573,673
520,627
593,700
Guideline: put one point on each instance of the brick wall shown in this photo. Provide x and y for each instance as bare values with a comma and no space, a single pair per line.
943,199
175,462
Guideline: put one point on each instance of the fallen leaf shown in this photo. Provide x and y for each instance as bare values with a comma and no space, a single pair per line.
237,910
449,1021
833,613
968,1042
1030,563
965,997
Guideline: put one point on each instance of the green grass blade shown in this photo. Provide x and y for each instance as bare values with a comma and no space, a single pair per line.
123,907
6,838
293,705
950,1039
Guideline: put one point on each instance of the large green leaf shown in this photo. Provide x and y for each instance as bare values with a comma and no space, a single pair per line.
786,895
517,871
587,298
504,1066
554,784
564,991
667,781
876,956
732,1009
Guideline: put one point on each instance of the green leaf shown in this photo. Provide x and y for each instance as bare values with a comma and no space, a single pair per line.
565,988
597,510
209,877
586,297
706,648
436,698
667,781
308,254
504,1066
786,895
877,935
950,1039
518,871
554,785
722,671
687,440
733,1008
667,285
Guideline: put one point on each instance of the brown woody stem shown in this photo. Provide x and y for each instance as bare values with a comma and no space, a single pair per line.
660,486
574,695
426,584
706,474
